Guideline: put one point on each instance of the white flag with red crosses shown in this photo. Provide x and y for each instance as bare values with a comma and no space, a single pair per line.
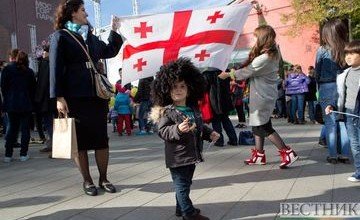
205,36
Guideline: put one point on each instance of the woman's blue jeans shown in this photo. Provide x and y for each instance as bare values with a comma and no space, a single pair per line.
327,96
311,108
297,103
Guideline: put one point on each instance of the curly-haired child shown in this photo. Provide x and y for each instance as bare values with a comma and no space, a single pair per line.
176,91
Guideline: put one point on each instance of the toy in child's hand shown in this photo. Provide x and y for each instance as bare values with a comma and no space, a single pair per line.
186,126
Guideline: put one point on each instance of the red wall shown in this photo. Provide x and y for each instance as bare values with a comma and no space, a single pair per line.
296,50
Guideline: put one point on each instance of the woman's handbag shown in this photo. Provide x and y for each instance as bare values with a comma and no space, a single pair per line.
104,88
64,140
246,138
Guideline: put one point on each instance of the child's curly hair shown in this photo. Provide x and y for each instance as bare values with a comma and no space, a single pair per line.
180,70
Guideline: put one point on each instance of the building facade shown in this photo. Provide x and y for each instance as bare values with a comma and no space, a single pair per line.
25,24
295,50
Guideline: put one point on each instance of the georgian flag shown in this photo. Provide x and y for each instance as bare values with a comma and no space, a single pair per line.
205,36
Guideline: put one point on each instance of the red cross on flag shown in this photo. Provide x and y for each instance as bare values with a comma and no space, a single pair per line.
205,36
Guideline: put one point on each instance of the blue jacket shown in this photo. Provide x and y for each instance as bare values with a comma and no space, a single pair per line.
18,88
326,69
296,84
69,76
122,104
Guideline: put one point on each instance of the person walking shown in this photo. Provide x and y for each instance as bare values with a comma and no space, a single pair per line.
72,84
17,87
261,70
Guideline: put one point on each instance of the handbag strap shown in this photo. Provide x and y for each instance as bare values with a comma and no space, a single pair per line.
85,51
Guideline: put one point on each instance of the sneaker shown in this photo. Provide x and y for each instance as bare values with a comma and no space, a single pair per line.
7,159
322,142
256,158
195,216
332,160
178,212
354,178
24,158
288,157
141,133
342,159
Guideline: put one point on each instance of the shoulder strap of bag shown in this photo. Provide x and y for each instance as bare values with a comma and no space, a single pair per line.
85,51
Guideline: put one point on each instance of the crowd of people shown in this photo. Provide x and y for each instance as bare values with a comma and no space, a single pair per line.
63,86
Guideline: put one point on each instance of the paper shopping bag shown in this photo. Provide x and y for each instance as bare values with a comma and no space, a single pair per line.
64,138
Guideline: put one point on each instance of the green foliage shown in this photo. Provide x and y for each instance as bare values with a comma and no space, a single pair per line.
314,12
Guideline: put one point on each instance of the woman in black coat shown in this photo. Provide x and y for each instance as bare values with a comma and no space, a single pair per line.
72,84
221,104
17,87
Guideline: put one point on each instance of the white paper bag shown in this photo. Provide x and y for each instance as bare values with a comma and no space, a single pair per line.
64,138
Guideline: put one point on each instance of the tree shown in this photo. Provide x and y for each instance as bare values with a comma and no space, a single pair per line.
314,12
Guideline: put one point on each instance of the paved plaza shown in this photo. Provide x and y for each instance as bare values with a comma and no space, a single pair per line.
223,187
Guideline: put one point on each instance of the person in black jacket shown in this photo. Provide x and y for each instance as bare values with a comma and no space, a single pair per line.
45,107
72,84
176,91
310,97
221,104
17,87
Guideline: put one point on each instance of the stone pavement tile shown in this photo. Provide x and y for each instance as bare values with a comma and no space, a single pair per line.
43,183
147,213
84,201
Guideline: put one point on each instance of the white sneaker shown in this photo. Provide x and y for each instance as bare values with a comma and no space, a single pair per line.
24,158
7,159
353,178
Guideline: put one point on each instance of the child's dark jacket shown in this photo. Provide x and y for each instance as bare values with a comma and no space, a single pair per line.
181,149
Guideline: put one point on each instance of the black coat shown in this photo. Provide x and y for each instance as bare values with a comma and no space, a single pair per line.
69,76
182,149
17,87
311,95
43,103
144,90
219,92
